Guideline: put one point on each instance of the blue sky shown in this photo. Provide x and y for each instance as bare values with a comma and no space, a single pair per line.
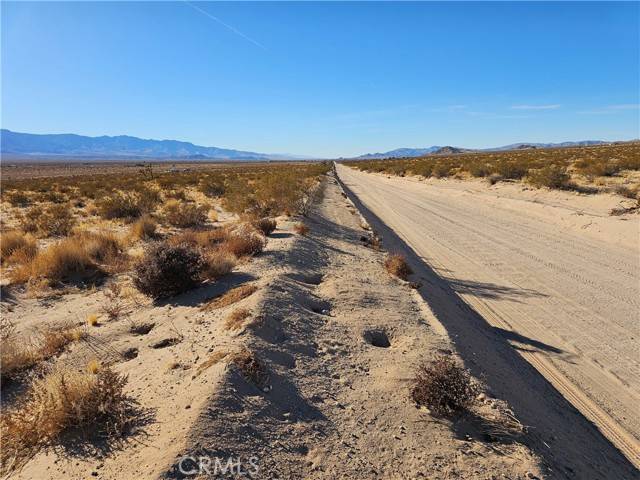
327,79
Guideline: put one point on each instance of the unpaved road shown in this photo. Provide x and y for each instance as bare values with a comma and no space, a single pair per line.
567,301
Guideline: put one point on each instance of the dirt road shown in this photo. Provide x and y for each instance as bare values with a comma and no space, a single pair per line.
567,300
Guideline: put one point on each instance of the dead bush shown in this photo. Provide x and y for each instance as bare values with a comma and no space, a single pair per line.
16,247
54,220
204,239
236,318
243,241
250,367
300,228
147,199
64,401
18,199
102,247
167,270
550,176
143,229
217,264
265,225
232,296
494,178
118,205
397,266
628,192
65,261
444,387
184,214
113,307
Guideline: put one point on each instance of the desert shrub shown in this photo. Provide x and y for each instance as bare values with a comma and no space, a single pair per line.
597,167
397,266
422,168
176,195
444,387
629,162
628,192
551,176
510,169
16,247
265,225
494,178
184,214
167,270
211,187
102,247
204,239
54,220
300,228
18,199
478,168
243,241
118,205
64,261
239,196
250,367
147,199
143,229
217,264
63,402
441,170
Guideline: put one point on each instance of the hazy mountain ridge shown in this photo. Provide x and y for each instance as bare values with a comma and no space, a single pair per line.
121,145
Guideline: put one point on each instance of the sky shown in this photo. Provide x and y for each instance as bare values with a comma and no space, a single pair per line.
326,79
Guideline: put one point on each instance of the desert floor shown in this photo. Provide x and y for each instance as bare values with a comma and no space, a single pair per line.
550,274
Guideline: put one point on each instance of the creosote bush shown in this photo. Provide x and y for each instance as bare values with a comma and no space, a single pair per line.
244,241
397,266
550,176
444,387
51,221
217,264
167,270
118,205
265,225
184,214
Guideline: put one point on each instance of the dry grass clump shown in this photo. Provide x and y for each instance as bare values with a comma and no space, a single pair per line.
250,367
167,270
102,247
118,205
444,387
67,260
243,241
232,296
184,214
50,221
93,320
550,176
217,264
62,402
16,247
20,353
265,225
143,229
236,318
301,229
204,239
397,266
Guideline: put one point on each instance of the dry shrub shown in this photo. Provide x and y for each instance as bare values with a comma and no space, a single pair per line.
147,199
102,247
16,247
184,214
444,387
628,192
92,320
63,402
236,318
204,239
550,176
54,220
217,264
265,225
300,228
214,358
113,306
18,199
511,169
20,353
397,266
167,270
232,296
250,367
143,229
64,261
597,167
494,178
243,241
118,205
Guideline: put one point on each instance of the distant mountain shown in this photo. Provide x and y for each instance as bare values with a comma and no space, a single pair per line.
449,150
401,153
120,146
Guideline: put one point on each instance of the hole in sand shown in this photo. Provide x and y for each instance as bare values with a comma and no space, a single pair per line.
166,342
377,338
130,353
309,278
141,328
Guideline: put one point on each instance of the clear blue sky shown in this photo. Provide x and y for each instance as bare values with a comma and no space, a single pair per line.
326,79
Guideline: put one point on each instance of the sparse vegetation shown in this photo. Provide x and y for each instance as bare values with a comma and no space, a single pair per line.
217,264
184,214
143,229
167,270
118,205
250,367
16,247
236,319
397,266
243,241
550,176
265,225
444,387
232,296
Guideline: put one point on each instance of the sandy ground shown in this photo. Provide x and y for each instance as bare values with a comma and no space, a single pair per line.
332,404
547,274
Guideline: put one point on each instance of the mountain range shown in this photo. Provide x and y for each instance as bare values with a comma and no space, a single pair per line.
72,145
448,150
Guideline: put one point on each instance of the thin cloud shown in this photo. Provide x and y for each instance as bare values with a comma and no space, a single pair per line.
611,109
625,106
226,25
554,106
